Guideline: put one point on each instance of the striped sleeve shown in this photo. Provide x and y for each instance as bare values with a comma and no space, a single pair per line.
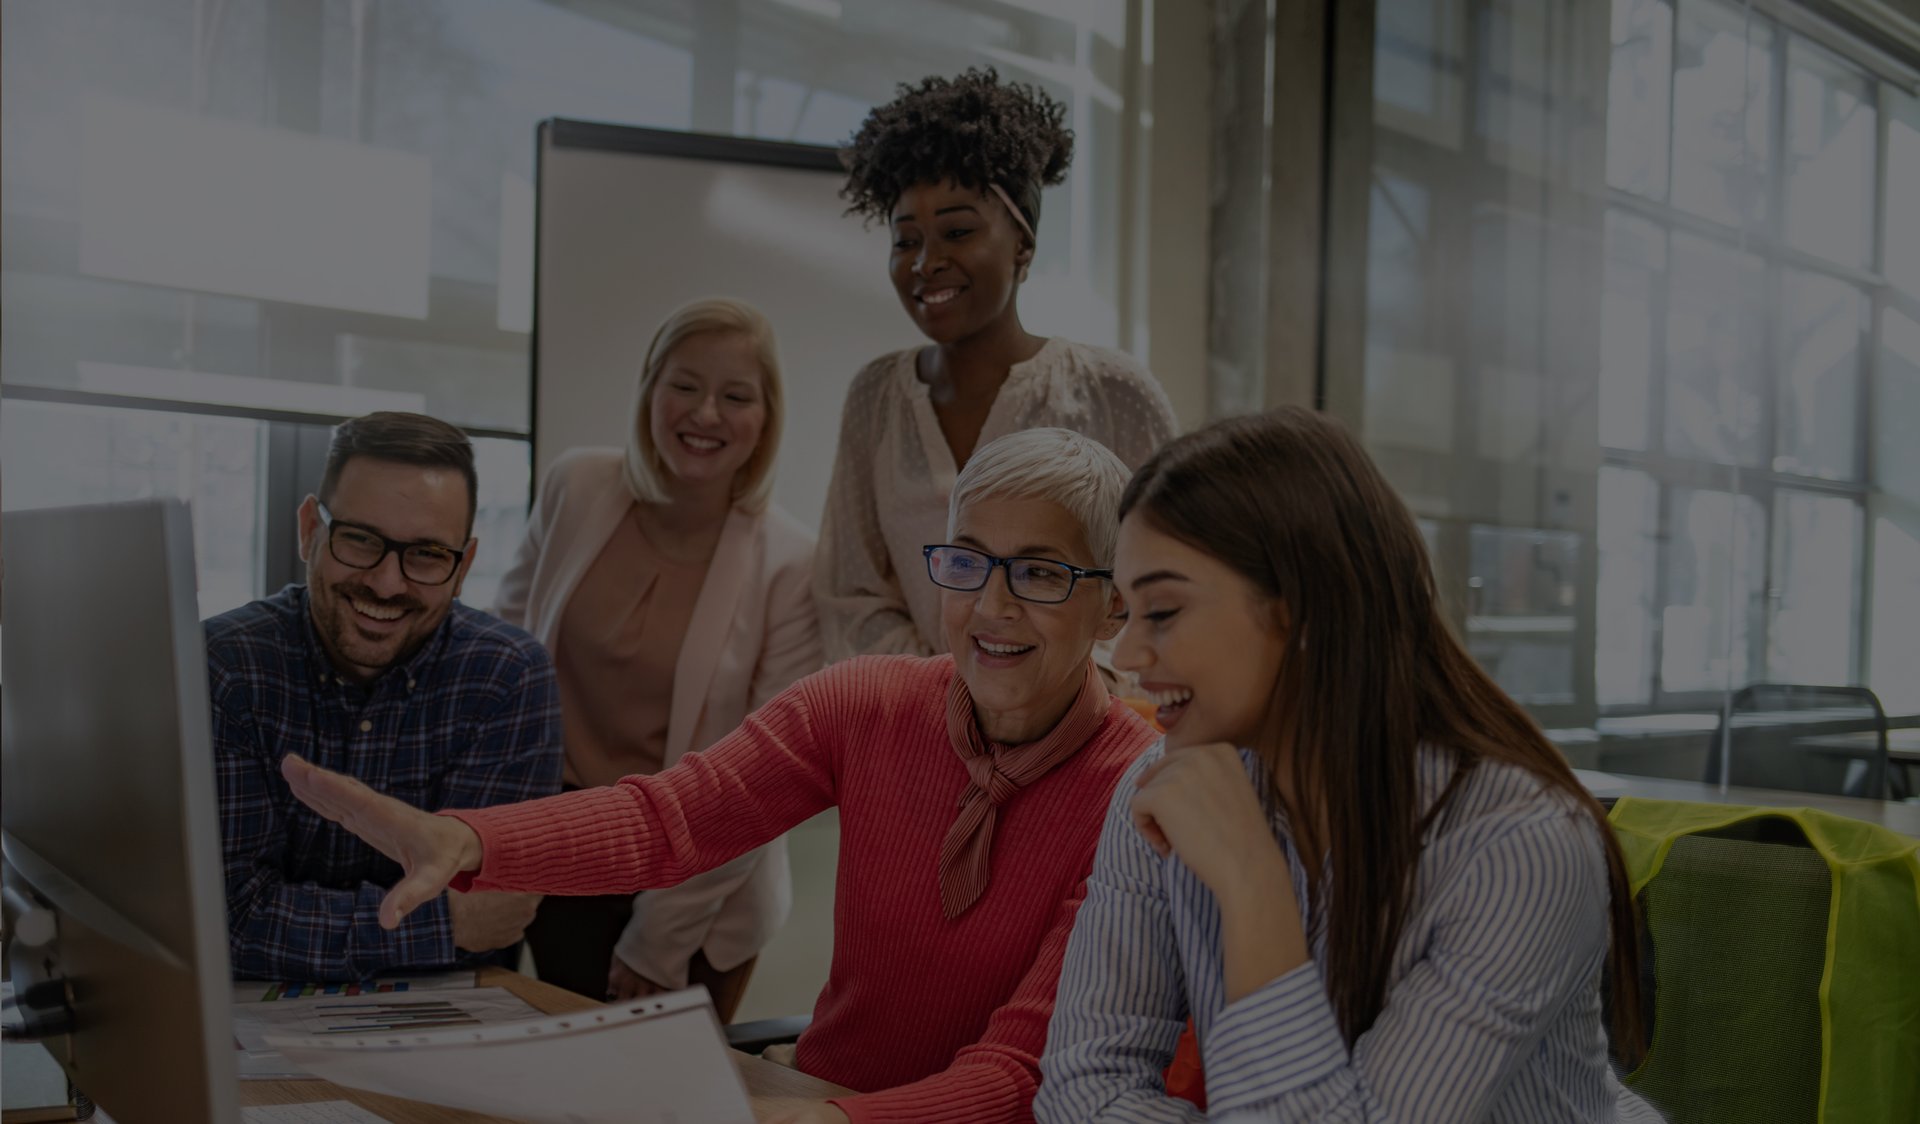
1523,931
1122,998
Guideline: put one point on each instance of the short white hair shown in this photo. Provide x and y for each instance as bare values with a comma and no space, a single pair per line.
646,473
1056,465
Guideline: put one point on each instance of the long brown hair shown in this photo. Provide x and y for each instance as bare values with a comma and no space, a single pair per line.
1290,501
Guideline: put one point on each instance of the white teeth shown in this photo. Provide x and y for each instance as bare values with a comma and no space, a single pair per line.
1003,649
378,612
939,296
1174,697
706,444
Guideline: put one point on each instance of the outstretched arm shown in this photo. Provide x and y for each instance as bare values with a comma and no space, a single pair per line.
777,769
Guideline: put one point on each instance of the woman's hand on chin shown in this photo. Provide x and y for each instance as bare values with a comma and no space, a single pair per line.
1197,803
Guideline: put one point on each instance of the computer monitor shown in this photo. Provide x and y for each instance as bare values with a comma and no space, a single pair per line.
108,813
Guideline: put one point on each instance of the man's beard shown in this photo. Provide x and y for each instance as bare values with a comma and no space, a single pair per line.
352,644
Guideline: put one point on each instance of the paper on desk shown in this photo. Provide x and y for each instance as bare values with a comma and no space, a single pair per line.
659,1060
269,991
339,1016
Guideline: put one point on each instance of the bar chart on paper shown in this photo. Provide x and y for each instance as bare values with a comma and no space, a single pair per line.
373,1013
270,991
391,1014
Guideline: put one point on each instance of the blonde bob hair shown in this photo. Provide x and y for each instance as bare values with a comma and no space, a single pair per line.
646,473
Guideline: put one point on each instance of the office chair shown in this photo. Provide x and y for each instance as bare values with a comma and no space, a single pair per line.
754,1037
1829,740
1777,975
1734,932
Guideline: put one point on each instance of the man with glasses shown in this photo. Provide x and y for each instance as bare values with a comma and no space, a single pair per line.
375,670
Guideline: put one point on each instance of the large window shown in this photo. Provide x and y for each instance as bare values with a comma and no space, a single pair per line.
228,224
1741,277
1643,281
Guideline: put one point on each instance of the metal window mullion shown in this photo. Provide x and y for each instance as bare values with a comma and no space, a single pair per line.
1772,368
1661,300
1662,587
1757,244
1471,189
1688,472
1878,300
1673,73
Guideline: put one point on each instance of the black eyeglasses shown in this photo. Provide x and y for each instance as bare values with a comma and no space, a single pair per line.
1030,579
423,563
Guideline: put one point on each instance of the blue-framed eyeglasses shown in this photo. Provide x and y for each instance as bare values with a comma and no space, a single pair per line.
1042,580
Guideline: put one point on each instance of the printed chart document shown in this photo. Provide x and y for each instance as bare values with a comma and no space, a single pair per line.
270,991
329,1016
658,1060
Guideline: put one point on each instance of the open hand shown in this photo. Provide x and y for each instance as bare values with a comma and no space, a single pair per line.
431,850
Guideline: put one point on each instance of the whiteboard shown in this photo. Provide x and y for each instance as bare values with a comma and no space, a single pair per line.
633,222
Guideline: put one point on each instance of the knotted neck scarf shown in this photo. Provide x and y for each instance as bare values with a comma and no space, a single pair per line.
996,772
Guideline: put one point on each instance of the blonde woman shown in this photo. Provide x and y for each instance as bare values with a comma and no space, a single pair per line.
675,599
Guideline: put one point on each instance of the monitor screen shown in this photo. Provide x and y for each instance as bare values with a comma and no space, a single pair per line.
108,806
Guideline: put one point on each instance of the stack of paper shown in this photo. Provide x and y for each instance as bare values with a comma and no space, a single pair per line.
648,1061
368,1013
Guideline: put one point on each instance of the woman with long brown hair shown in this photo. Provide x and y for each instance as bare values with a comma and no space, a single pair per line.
1361,869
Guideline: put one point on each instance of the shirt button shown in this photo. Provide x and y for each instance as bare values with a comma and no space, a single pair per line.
365,725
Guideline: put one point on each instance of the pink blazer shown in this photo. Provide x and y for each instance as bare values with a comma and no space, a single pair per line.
753,632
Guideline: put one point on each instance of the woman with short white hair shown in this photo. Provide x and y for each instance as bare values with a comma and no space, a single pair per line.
970,789
675,598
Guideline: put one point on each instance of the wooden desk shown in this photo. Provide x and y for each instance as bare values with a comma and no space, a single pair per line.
770,1087
1895,815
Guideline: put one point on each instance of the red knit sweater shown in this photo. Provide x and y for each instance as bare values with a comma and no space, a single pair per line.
943,1020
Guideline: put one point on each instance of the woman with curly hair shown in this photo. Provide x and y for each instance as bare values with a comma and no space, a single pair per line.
955,167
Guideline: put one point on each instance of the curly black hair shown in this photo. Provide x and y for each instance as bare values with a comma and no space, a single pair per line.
973,130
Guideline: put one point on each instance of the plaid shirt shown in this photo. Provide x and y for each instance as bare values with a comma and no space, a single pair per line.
472,719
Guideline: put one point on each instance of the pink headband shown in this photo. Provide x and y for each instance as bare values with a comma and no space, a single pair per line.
1017,215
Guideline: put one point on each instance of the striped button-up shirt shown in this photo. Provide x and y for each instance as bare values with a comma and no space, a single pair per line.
1493,1005
471,719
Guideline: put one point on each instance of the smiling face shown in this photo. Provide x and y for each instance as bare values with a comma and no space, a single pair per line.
956,261
1024,662
1205,642
369,620
708,408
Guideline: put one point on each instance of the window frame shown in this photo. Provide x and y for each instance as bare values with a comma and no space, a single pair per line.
1766,241
1458,176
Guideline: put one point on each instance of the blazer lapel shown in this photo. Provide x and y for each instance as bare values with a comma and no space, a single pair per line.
596,524
708,629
